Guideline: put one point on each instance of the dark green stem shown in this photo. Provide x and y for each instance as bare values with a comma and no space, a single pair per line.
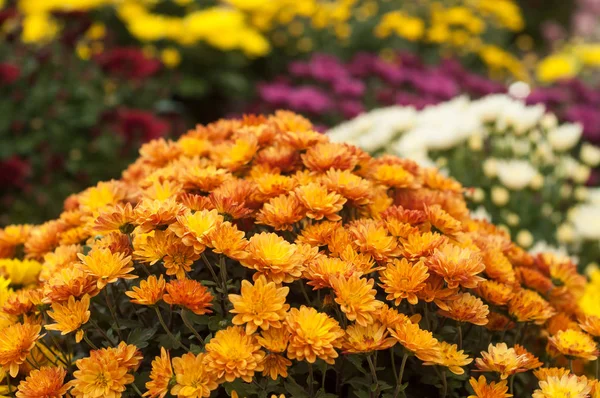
92,345
111,308
373,374
189,325
311,381
166,329
399,383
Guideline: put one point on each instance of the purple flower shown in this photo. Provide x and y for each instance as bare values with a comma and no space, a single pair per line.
299,69
389,72
362,64
326,68
435,84
351,108
589,117
550,96
276,94
309,99
352,88
480,86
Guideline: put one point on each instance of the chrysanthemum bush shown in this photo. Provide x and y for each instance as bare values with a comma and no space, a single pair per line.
525,169
254,257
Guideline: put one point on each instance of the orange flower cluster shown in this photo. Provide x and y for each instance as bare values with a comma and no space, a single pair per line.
251,255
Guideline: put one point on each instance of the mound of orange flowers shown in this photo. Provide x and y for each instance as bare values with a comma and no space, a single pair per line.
255,258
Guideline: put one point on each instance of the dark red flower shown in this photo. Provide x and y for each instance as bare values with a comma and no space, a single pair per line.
128,62
13,171
134,124
9,73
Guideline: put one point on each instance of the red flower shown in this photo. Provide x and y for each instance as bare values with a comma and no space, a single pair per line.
13,171
135,124
128,62
9,73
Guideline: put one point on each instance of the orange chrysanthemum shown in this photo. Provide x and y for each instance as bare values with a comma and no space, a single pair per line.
495,293
233,354
359,339
157,214
115,219
281,212
452,358
393,176
69,282
106,267
435,291
313,335
100,375
458,266
416,340
259,305
274,340
16,342
492,390
160,376
574,344
543,374
323,269
590,324
319,202
273,257
329,155
193,378
189,294
355,189
402,280
149,292
70,316
443,221
416,246
356,298
528,360
193,228
45,382
275,365
226,239
203,179
529,306
466,308
372,238
500,359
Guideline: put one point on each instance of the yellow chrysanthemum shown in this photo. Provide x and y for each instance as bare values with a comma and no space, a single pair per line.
149,292
233,354
500,359
46,382
402,280
492,390
313,335
356,298
106,267
273,257
452,358
193,378
160,376
70,316
566,386
20,272
16,342
359,339
261,305
575,344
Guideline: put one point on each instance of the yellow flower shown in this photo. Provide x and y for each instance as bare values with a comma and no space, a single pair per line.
193,378
416,340
170,57
193,228
501,359
38,27
319,202
233,354
20,272
451,358
555,67
16,342
466,308
356,298
70,317
313,335
46,382
529,306
458,266
398,22
273,257
401,279
160,376
149,292
259,305
106,267
574,344
359,339
492,390
100,375
565,386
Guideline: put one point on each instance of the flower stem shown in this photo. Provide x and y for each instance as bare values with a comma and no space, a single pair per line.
111,308
311,381
99,329
92,345
444,383
394,364
460,336
136,389
399,383
166,329
511,384
571,365
303,289
373,374
597,368
189,325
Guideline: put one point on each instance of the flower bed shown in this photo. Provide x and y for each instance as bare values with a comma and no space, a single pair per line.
254,257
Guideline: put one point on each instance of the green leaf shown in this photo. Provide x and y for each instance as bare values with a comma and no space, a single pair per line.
357,362
192,86
294,388
141,337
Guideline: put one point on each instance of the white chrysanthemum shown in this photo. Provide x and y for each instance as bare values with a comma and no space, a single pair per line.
565,136
585,220
559,251
590,155
515,174
481,213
